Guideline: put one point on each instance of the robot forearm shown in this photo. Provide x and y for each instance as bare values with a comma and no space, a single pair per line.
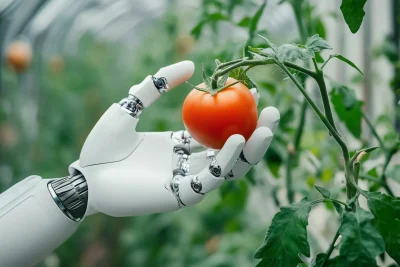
32,222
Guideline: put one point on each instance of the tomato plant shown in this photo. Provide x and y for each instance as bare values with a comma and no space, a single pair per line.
212,117
365,231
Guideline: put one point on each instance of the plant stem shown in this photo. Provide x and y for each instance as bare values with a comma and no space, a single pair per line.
330,249
388,154
370,178
297,9
247,62
291,155
350,192
325,98
324,64
315,108
231,66
374,132
329,199
383,179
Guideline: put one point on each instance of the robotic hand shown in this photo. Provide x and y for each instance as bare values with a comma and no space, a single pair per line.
130,173
122,172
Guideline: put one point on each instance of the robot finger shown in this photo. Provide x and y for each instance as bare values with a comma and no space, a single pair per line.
184,138
144,94
193,187
253,152
269,117
255,94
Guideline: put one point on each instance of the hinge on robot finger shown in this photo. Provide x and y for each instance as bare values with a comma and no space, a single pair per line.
160,83
132,105
181,137
183,164
243,158
214,167
174,185
230,175
196,185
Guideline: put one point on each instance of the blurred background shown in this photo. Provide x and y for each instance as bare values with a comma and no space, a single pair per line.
64,62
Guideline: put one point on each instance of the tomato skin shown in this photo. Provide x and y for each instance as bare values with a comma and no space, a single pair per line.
212,119
19,55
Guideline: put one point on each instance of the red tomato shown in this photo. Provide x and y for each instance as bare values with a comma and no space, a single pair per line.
212,119
19,55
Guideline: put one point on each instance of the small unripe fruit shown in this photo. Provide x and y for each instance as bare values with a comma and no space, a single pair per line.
19,55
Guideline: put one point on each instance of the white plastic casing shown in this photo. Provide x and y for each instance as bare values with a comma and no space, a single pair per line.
31,224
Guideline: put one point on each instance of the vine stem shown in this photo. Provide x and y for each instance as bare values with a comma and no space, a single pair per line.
320,81
330,249
349,182
324,94
253,63
374,132
388,154
297,9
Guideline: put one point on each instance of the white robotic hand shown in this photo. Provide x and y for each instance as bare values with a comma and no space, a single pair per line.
124,173
130,173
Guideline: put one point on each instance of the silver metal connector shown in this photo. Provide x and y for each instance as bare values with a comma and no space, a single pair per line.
132,105
161,84
71,195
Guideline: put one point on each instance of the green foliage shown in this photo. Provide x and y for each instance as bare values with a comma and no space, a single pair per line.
286,237
317,44
394,173
325,193
353,13
319,260
348,108
347,61
292,52
223,230
386,210
361,242
253,23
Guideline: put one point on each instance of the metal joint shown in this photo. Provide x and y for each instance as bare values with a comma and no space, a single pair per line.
214,168
196,185
132,105
160,83
174,185
243,158
71,195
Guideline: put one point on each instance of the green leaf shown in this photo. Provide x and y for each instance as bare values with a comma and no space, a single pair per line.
386,210
361,241
348,108
221,82
206,79
256,18
353,13
325,193
394,173
240,75
319,260
286,237
338,208
292,52
273,47
217,17
346,60
316,44
244,22
319,58
369,149
196,31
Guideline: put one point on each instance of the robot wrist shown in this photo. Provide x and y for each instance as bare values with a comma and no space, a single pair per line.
71,195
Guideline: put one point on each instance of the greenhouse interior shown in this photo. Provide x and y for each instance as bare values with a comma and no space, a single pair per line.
203,133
